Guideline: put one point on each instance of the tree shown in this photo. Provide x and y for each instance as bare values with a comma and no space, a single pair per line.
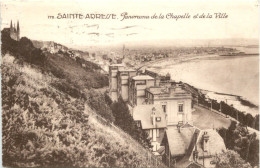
98,102
237,138
229,159
257,122
249,120
223,133
230,135
125,121
253,156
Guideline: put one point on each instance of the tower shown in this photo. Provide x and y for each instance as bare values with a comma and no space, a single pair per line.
15,31
18,31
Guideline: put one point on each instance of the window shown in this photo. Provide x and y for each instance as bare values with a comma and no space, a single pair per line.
158,119
180,108
164,108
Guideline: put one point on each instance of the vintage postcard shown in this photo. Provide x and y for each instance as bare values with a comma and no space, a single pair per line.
117,83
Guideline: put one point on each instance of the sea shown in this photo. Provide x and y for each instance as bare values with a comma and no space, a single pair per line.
219,76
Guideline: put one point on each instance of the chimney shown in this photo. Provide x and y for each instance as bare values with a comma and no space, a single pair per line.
168,76
205,139
11,25
153,116
172,90
180,123
167,89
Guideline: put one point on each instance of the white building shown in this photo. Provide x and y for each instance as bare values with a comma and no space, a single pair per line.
175,102
151,118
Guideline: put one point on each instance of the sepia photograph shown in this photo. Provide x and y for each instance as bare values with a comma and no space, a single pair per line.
127,83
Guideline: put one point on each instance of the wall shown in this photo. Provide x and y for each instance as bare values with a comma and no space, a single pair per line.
173,116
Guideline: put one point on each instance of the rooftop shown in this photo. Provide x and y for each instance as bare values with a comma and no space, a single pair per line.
216,146
157,90
179,141
216,143
143,114
116,65
168,91
143,77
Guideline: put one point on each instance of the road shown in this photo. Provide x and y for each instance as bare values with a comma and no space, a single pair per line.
205,119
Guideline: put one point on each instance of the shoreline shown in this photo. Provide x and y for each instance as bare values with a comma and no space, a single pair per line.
240,102
231,98
174,61
186,58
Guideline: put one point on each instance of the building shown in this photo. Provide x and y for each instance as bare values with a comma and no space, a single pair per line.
113,89
155,102
123,77
55,48
187,146
177,143
15,31
209,143
151,118
163,108
175,102
137,86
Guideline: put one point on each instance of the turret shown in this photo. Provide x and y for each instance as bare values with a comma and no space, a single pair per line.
18,28
15,31
18,31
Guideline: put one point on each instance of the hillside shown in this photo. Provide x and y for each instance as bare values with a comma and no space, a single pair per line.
54,113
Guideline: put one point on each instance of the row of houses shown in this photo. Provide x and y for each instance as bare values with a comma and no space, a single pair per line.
54,48
163,108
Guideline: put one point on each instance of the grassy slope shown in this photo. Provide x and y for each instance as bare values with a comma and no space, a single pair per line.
68,68
43,126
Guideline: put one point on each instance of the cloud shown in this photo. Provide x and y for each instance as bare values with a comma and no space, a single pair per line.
110,35
130,34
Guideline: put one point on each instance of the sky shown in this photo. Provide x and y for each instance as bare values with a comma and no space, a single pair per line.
242,20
